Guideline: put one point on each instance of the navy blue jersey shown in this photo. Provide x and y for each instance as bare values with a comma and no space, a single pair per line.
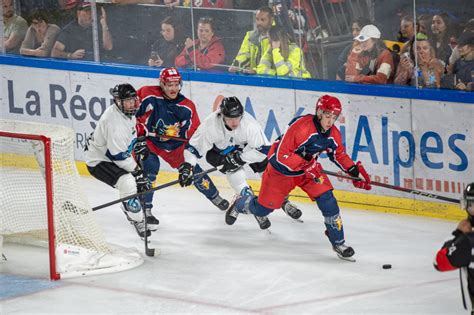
162,117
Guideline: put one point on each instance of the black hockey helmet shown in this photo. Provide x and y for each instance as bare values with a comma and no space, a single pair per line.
231,107
467,201
122,92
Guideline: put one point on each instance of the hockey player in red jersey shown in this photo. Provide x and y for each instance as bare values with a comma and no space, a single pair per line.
458,252
293,163
163,112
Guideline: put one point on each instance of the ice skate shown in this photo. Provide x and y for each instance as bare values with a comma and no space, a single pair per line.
291,210
344,252
220,203
263,222
231,214
151,221
140,228
139,225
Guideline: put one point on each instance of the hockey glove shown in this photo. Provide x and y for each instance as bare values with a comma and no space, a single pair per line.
354,171
185,174
313,170
232,162
141,149
143,183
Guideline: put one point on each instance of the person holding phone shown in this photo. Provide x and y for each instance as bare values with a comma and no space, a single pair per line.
168,46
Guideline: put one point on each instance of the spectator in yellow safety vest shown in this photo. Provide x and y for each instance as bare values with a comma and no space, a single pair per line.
255,43
283,57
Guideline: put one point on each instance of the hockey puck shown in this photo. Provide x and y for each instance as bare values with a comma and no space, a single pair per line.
387,266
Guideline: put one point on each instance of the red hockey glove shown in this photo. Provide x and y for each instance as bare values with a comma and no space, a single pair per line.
313,170
354,171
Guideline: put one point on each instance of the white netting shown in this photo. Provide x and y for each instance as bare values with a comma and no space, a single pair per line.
23,206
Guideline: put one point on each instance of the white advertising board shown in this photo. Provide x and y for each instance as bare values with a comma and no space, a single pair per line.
427,145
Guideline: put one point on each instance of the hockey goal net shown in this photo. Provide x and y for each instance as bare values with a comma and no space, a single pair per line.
42,203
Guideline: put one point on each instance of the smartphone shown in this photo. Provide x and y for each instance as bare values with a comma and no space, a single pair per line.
154,55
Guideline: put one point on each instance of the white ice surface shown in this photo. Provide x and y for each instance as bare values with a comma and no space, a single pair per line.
207,267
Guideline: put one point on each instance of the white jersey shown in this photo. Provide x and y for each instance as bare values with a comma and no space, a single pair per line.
113,140
248,137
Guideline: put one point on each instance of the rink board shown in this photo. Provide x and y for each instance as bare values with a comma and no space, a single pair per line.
421,144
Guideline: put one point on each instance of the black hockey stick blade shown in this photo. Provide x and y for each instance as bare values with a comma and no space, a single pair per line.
407,190
150,252
174,182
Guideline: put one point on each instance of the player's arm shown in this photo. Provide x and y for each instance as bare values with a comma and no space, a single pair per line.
119,149
291,140
192,120
339,155
199,144
343,161
143,113
455,253
256,139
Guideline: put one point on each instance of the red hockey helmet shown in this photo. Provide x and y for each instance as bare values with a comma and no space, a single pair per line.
170,75
328,103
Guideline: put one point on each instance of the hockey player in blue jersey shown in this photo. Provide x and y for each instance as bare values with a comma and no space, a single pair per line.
163,112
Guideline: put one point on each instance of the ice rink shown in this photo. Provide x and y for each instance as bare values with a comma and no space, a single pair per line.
207,267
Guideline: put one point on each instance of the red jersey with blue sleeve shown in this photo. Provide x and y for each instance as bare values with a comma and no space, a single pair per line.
162,117
302,138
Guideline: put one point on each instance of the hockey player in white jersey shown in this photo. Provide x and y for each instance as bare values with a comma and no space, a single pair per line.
108,153
231,138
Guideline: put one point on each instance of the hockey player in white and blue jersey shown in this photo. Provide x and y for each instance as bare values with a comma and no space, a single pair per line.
108,153
230,138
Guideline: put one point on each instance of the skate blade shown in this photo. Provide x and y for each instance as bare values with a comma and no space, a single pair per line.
351,259
299,220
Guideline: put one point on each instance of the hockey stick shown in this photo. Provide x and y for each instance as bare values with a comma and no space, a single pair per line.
407,190
150,252
174,182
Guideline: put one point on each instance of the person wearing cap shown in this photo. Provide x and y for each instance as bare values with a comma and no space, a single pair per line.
376,61
14,28
464,67
75,40
468,27
349,58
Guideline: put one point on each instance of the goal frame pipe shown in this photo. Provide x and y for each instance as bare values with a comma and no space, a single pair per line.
53,274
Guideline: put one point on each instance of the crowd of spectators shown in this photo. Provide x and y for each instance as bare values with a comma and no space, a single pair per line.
430,51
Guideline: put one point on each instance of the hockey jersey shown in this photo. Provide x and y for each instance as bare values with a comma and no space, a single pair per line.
112,140
212,133
159,117
303,137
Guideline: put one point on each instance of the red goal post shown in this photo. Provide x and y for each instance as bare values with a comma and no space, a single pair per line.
42,202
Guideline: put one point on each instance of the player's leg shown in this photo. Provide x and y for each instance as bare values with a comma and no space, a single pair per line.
124,182
322,193
151,167
203,183
247,203
206,186
237,180
271,196
290,209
